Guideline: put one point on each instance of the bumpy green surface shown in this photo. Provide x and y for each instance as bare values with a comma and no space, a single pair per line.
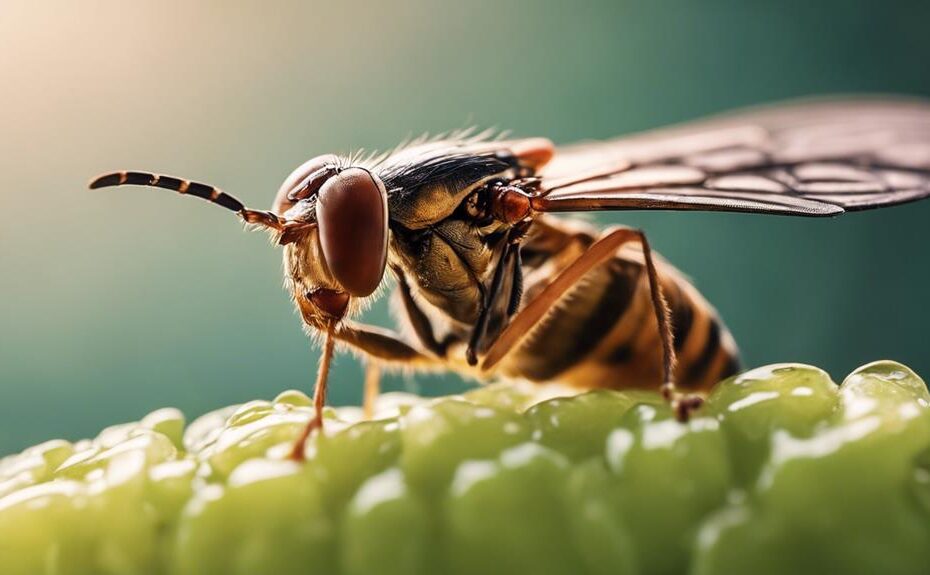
781,472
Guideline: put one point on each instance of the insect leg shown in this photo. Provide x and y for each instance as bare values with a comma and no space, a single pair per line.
319,397
376,342
382,344
682,403
187,187
372,388
418,319
488,304
599,252
516,294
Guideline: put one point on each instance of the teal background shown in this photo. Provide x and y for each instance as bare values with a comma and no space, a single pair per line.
114,303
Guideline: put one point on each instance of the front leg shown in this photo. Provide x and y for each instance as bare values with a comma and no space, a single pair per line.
378,344
383,345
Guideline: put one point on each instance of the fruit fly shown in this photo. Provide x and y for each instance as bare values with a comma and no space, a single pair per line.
491,285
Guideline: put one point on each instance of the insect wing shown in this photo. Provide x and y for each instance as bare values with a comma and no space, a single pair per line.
818,158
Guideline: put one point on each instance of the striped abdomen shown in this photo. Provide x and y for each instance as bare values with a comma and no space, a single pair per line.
603,332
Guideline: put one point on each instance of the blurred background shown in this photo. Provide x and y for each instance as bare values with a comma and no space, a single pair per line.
117,302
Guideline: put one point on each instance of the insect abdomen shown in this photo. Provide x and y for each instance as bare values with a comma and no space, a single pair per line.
603,333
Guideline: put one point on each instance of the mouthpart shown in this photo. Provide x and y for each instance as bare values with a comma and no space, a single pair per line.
332,303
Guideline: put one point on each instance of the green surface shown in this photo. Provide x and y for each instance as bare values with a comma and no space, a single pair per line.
782,471
117,302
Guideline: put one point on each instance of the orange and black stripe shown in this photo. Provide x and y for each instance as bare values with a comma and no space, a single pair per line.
604,333
579,326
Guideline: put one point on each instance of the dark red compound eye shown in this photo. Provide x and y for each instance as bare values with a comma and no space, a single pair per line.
352,216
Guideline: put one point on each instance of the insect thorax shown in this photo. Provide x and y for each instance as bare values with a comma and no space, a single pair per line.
444,252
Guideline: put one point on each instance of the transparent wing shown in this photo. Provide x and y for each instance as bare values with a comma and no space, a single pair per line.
814,158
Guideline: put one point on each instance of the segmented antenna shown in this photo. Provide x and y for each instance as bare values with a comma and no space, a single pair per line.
187,187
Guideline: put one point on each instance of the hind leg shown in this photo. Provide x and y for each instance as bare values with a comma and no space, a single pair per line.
599,252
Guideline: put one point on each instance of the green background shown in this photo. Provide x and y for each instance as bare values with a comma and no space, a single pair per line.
117,302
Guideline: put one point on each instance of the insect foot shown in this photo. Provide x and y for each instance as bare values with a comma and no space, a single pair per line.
682,404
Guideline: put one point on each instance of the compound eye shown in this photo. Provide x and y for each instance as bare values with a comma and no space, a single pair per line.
285,198
352,216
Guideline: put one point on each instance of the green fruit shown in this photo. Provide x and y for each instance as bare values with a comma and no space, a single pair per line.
491,502
604,539
439,435
794,398
666,478
344,459
855,479
578,426
782,471
269,518
386,504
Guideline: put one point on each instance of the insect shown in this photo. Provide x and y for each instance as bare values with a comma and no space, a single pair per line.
489,284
